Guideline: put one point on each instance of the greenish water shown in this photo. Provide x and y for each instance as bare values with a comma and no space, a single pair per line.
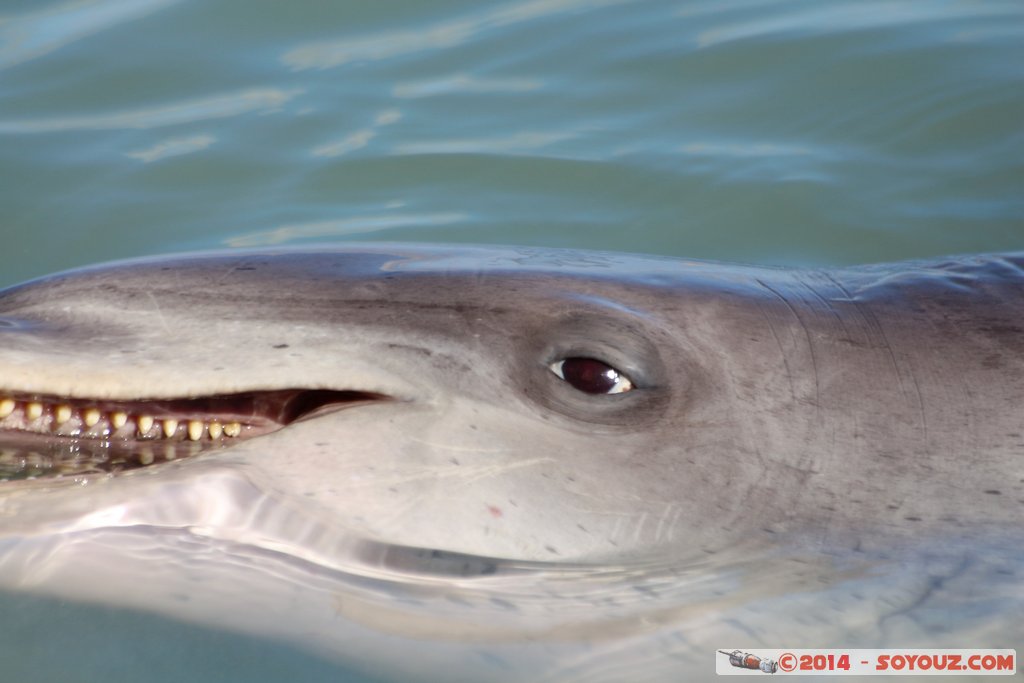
770,132
801,132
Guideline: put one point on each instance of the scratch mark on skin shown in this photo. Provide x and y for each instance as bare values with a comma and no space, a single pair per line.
782,352
825,302
662,529
638,530
159,312
230,271
810,344
872,322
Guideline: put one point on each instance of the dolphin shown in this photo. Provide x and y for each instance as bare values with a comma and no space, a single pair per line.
520,463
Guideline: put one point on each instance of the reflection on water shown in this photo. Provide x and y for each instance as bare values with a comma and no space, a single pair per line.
37,34
368,223
463,618
359,138
192,111
172,148
446,34
465,84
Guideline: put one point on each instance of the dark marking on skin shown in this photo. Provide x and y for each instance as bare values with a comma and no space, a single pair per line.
504,603
992,361
280,346
993,492
551,550
415,349
911,518
454,461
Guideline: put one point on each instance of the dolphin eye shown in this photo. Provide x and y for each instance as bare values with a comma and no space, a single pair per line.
591,376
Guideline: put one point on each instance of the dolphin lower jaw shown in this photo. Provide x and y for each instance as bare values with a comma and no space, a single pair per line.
58,435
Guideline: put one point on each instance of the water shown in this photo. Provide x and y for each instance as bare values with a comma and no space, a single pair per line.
802,133
781,132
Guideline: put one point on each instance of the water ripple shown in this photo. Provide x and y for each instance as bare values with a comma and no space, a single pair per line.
343,227
204,109
172,148
29,36
822,19
446,34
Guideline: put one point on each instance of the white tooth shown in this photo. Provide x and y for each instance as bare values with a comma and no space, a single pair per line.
33,410
145,423
170,426
195,430
90,417
62,414
146,457
118,420
232,429
6,407
215,430
169,452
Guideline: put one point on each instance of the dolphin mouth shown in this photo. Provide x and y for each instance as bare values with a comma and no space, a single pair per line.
43,435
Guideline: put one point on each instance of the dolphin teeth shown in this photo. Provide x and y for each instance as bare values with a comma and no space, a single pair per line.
62,414
7,407
91,417
118,419
170,426
145,423
146,456
216,430
195,430
232,429
33,410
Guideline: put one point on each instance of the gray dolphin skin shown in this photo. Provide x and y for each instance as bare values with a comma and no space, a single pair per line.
521,464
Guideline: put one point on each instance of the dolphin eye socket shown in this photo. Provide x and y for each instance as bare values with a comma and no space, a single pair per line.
591,376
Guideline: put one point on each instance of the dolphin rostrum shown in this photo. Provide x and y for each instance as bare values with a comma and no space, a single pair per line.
563,458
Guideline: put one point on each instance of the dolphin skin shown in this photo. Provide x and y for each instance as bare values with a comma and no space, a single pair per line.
586,466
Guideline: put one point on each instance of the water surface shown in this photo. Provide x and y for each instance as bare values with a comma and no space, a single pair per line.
768,132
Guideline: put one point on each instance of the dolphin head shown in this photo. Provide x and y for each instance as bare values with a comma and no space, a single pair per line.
513,403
